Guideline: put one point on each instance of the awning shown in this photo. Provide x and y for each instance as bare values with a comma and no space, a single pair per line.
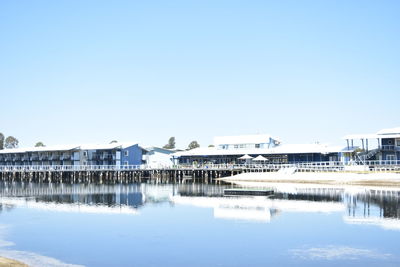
260,158
246,157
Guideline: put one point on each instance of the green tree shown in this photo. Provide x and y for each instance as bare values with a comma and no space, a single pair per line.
171,143
113,142
211,146
11,142
193,145
1,141
39,144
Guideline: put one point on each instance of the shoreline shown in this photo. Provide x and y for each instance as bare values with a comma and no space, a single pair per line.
6,262
383,179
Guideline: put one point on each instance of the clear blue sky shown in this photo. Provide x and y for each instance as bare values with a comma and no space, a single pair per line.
94,71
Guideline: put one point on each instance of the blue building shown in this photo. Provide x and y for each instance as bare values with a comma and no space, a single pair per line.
115,154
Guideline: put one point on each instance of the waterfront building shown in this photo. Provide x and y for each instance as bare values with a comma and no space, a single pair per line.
116,154
230,149
157,157
386,147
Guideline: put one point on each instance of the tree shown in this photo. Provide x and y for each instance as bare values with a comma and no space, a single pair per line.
193,145
211,146
39,144
1,141
11,142
113,142
171,143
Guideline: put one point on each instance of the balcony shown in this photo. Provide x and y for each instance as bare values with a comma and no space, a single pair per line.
108,157
390,148
66,157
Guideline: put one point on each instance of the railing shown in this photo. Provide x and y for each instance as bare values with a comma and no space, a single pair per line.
390,148
304,166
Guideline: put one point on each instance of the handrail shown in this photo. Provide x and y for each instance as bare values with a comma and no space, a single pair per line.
324,165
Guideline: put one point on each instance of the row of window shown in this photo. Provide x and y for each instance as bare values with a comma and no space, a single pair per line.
241,146
126,153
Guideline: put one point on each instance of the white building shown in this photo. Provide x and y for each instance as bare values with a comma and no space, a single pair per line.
157,157
228,149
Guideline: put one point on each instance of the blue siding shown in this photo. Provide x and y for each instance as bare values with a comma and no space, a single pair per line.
388,141
134,155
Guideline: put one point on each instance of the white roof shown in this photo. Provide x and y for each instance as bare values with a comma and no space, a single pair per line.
39,149
282,149
361,136
106,146
242,139
67,148
389,131
384,133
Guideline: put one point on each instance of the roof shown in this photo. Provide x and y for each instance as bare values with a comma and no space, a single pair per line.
361,136
389,131
159,149
67,148
282,149
384,133
106,146
242,139
39,149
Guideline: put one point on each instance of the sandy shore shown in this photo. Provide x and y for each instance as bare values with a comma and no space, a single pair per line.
374,179
11,263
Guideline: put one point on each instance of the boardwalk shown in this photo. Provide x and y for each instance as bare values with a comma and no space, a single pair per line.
180,173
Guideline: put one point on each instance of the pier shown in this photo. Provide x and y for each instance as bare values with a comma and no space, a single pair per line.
205,173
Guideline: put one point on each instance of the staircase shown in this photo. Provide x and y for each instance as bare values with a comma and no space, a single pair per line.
363,156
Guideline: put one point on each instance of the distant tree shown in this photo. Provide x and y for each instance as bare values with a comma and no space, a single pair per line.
113,141
171,143
39,144
1,141
11,142
211,146
193,145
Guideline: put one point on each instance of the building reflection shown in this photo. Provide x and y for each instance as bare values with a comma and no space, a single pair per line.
373,206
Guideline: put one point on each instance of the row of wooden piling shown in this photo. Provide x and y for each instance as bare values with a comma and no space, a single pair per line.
113,177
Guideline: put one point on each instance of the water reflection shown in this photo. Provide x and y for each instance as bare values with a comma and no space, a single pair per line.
373,206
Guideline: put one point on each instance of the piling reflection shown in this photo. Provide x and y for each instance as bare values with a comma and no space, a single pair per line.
380,207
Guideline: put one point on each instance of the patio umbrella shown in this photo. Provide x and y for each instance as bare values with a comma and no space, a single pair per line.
246,157
260,158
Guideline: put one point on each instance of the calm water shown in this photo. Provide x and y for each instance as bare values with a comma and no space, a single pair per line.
195,225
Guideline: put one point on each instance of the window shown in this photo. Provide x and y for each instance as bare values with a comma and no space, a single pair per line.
236,146
126,153
126,163
258,145
85,153
397,142
390,157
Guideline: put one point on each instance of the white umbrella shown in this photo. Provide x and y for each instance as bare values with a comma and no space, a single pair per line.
260,158
246,157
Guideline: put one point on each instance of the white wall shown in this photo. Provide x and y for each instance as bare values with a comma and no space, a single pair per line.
157,159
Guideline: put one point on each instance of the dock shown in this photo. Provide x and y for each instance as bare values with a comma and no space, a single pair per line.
204,173
248,191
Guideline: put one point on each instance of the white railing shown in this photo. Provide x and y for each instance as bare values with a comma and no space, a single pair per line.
324,165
